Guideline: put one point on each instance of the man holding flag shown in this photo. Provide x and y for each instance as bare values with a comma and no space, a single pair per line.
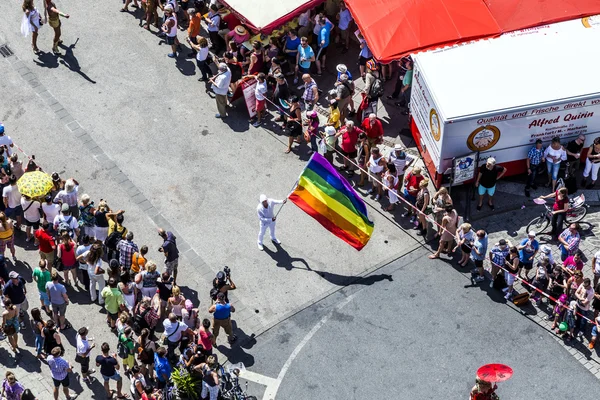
267,218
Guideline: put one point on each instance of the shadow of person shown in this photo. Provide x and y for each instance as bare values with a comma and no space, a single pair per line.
237,352
345,280
284,260
29,362
47,60
70,61
184,65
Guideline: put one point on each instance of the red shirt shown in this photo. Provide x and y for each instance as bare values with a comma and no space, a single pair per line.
349,139
231,20
414,181
374,131
45,239
559,204
204,339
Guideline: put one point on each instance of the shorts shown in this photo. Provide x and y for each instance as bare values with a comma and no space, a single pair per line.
478,263
344,33
483,190
44,298
527,266
303,70
171,266
129,361
59,309
510,278
322,52
260,105
55,23
35,225
48,257
362,60
14,213
409,197
116,377
465,248
64,382
351,154
112,316
68,267
171,40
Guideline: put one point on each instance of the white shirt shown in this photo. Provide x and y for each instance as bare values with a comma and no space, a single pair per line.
82,345
12,194
400,163
173,331
7,141
261,90
345,19
222,81
31,211
71,220
597,263
51,211
266,214
561,154
202,54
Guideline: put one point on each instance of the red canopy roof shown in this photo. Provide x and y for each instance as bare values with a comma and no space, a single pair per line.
394,28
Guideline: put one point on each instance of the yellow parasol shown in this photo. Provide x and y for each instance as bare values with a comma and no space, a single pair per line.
35,184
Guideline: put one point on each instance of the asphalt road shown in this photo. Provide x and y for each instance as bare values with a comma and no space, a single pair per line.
411,330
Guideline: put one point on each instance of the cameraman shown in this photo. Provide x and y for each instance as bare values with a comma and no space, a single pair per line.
222,284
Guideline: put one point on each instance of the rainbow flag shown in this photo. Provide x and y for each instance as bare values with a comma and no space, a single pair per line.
327,196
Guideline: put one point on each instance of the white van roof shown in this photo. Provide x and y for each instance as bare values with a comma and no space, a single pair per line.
518,70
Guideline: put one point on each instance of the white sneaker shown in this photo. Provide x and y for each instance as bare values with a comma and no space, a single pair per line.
276,241
260,247
376,197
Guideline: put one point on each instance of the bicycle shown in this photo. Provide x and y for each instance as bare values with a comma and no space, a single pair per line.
576,212
230,384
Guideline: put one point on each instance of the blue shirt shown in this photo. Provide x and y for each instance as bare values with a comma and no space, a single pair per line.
324,34
161,367
58,367
499,255
292,44
528,251
307,53
481,246
347,73
535,155
222,311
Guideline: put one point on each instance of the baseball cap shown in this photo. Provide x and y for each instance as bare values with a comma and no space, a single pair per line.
531,233
189,305
262,198
13,275
65,207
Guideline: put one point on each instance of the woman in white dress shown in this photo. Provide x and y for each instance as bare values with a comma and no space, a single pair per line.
32,22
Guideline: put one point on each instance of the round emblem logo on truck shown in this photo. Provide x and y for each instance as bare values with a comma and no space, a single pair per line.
435,125
483,138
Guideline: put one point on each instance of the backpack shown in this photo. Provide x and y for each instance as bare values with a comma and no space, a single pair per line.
65,226
146,356
114,238
139,322
376,90
122,350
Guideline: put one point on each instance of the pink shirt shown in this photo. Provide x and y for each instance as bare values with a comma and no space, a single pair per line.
572,265
205,339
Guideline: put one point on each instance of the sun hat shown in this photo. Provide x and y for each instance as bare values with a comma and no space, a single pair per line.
330,130
240,30
341,68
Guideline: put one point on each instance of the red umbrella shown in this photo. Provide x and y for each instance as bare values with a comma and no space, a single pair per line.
495,372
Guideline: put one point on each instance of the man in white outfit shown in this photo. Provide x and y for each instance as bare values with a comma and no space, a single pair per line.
267,218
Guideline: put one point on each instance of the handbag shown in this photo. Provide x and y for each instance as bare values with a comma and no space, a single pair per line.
307,137
165,338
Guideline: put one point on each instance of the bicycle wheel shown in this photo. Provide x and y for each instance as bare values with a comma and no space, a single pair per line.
538,224
576,215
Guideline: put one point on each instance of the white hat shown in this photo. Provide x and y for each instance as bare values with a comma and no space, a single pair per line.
531,233
330,130
169,7
398,146
341,68
263,198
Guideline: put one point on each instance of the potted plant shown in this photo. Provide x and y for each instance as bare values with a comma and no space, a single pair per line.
186,384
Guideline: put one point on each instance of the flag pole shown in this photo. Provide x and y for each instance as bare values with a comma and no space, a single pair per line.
295,184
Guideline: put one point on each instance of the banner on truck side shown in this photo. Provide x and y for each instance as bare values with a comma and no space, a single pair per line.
426,117
464,168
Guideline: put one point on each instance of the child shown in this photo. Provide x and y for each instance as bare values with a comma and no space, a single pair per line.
559,311
541,278
595,332
570,319
391,180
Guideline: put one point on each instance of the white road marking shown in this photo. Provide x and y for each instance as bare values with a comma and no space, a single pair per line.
272,389
258,378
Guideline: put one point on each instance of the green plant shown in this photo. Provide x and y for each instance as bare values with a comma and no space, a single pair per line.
185,383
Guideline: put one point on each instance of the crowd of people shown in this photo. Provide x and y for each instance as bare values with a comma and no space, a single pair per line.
87,247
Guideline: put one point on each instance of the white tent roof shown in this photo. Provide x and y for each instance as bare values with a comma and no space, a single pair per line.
529,67
262,14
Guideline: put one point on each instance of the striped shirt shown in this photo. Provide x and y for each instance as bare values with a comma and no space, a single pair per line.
59,367
309,94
